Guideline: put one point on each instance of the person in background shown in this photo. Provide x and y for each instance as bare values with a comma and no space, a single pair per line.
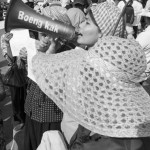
41,112
38,8
128,17
99,88
137,5
18,94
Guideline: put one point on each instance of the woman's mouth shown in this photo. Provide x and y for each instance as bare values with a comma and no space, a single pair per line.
78,34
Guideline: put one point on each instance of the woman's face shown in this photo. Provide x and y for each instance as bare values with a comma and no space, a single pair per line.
88,32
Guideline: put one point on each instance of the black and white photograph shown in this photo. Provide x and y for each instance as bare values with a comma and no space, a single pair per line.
74,74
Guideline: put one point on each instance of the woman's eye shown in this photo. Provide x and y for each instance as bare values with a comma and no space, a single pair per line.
82,21
43,34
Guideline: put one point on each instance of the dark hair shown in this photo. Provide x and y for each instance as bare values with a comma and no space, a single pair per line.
94,1
147,20
80,6
30,4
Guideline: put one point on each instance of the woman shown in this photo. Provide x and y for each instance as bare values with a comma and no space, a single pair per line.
76,17
100,88
104,26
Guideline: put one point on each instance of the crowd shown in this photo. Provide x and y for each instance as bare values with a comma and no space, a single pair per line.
90,92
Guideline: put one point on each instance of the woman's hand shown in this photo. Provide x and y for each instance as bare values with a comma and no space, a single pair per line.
46,44
5,45
23,54
5,38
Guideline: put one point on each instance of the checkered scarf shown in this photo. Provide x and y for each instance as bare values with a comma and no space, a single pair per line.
106,16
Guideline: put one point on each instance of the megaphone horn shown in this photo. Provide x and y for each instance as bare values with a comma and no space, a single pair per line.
19,15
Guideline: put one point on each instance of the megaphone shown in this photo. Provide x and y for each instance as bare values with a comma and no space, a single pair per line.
19,15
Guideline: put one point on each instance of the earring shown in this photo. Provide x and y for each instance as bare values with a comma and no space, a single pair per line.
100,35
86,47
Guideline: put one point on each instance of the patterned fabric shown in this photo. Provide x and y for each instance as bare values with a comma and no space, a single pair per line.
106,16
57,12
39,107
99,88
5,46
76,16
64,3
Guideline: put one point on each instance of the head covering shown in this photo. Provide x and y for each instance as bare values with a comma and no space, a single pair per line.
106,16
56,12
99,88
76,16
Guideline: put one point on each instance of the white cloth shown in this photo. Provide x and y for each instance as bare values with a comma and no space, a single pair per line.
120,5
144,39
68,126
17,129
64,2
52,140
129,29
110,1
1,25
